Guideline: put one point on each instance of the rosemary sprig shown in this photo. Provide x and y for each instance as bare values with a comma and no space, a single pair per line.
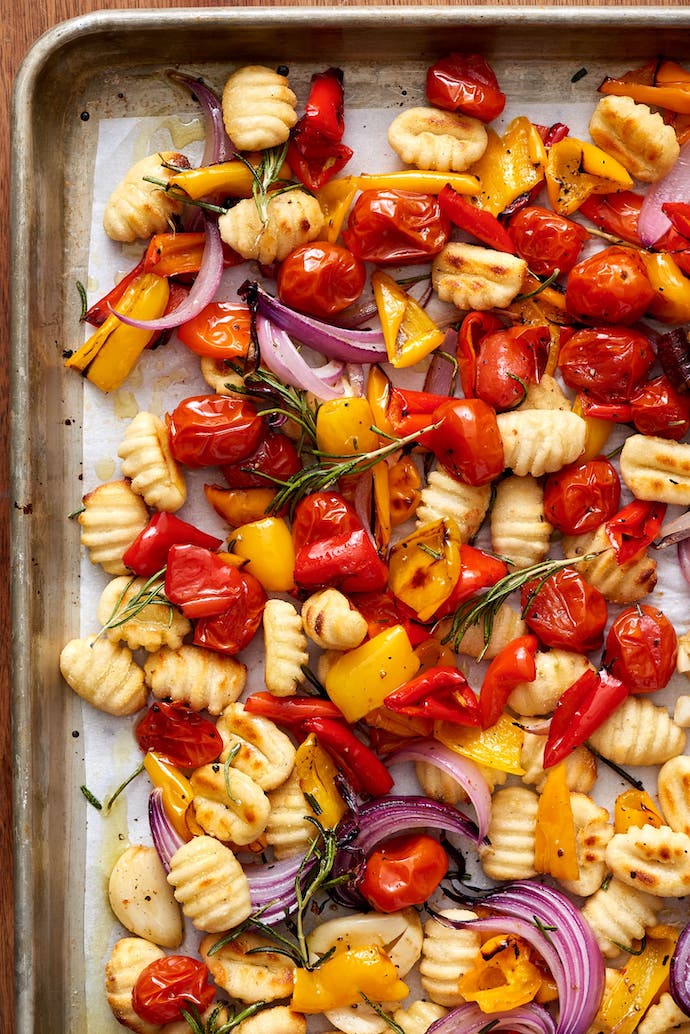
618,769
232,754
485,607
179,195
279,398
324,474
388,1020
217,1023
266,175
91,798
541,286
150,592
81,291
109,801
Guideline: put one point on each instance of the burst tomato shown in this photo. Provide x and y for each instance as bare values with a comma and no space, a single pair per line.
468,442
320,279
168,985
607,364
566,611
228,633
213,430
275,455
403,871
508,361
610,287
581,496
183,737
395,227
641,649
221,331
548,242
467,83
658,409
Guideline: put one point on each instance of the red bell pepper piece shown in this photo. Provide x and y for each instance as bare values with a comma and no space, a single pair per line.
292,711
100,310
478,570
482,225
149,551
512,665
679,214
199,581
348,561
441,693
615,213
366,773
467,83
321,515
580,711
634,527
409,411
474,327
315,152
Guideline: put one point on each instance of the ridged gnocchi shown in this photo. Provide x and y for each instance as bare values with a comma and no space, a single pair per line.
246,974
619,914
430,138
202,679
447,954
288,830
104,674
258,746
619,583
112,517
279,1019
656,469
210,884
663,1017
540,441
673,789
655,859
509,855
136,209
507,625
258,108
520,531
444,496
228,804
149,464
418,1017
285,648
292,218
635,136
331,622
472,277
639,732
151,627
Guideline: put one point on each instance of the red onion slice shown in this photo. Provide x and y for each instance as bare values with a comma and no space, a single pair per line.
283,359
679,973
203,290
469,1018
272,888
166,839
218,145
675,186
463,770
673,531
684,559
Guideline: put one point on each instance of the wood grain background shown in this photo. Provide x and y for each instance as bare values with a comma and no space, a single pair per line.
21,24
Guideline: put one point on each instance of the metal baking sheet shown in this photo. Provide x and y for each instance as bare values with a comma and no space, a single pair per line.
111,65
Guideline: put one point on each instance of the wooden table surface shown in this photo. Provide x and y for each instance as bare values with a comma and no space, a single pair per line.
22,24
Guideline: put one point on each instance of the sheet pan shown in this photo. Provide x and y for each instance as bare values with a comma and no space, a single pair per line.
110,64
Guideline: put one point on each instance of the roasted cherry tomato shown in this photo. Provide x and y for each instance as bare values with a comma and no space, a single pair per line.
658,409
403,871
467,83
231,631
395,227
565,611
508,361
320,279
609,287
275,455
213,430
168,985
322,515
641,649
183,737
548,242
607,364
579,497
468,442
221,331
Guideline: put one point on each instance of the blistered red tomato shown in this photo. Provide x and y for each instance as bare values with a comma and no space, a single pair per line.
507,362
658,409
275,456
581,496
547,241
212,430
403,871
467,83
641,649
230,632
565,611
607,364
221,331
395,227
184,737
609,287
467,443
321,279
167,986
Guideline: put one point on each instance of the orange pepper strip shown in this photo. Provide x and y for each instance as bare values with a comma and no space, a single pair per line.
635,808
554,842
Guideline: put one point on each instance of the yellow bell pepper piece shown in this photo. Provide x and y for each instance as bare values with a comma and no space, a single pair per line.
405,489
177,794
671,303
554,841
597,433
335,200
344,427
382,505
112,351
498,747
359,681
503,977
267,547
378,396
511,165
635,808
637,985
425,566
409,333
233,179
316,772
344,978
575,169
424,182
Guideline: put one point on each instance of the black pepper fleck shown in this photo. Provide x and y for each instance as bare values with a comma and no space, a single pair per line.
85,116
